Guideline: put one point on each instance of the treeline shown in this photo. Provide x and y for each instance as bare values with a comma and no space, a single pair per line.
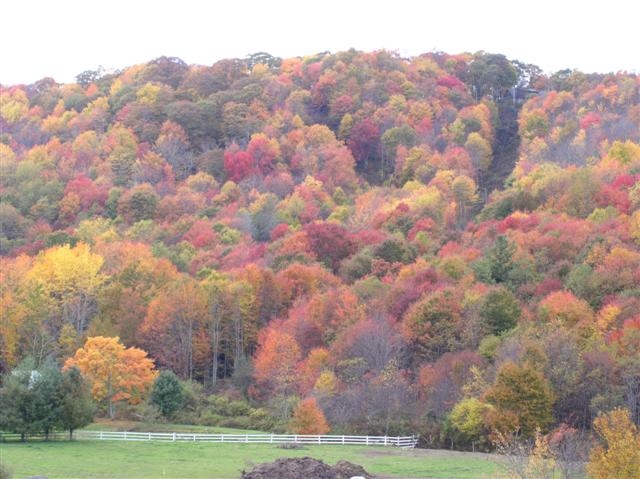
320,229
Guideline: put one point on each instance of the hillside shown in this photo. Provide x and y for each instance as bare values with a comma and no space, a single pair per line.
408,241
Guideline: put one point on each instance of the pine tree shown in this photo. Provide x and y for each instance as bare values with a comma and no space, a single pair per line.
76,404
167,394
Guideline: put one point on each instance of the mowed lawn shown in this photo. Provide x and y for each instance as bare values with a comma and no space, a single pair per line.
142,460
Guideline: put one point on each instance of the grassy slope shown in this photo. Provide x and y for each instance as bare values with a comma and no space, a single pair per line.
117,425
141,460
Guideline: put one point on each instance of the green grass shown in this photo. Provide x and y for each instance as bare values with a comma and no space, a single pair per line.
108,425
142,460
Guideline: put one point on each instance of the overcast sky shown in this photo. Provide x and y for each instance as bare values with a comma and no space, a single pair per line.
40,38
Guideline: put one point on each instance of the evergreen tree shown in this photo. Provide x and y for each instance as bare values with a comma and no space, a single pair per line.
45,398
76,404
167,393
500,259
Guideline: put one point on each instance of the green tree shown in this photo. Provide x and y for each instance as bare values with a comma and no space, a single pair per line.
491,74
87,77
263,58
76,404
500,311
27,399
500,260
167,393
15,402
138,203
45,386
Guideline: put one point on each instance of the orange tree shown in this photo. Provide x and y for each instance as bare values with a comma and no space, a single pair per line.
116,374
308,418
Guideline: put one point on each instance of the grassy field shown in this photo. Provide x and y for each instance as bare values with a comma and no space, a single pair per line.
136,426
146,460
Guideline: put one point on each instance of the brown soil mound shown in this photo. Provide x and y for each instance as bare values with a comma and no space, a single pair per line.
305,468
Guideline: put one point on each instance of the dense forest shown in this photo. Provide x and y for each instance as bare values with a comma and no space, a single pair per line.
445,244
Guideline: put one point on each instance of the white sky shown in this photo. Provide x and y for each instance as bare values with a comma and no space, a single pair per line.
61,38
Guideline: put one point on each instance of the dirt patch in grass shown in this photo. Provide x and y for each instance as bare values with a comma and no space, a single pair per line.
303,467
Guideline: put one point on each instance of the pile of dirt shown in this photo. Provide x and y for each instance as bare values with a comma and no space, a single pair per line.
305,468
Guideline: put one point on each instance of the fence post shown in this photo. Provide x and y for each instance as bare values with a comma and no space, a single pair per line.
367,440
271,441
149,437
174,437
101,435
194,438
125,435
343,439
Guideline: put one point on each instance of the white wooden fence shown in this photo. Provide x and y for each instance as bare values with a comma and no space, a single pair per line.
399,441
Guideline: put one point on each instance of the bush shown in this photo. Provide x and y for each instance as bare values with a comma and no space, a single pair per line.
147,413
261,420
208,418
238,422
239,408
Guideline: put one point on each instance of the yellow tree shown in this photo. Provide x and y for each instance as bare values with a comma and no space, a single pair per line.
70,278
522,399
466,196
116,374
14,309
619,454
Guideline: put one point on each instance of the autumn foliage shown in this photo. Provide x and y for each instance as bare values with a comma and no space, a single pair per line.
619,453
116,373
447,244
308,418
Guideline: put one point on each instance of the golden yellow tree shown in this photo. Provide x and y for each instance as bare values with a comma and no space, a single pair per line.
522,400
619,454
70,278
116,374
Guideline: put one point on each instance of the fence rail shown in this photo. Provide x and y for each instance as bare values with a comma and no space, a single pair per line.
53,436
398,441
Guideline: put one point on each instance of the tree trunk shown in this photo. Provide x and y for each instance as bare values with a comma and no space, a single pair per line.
190,348
238,337
215,341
